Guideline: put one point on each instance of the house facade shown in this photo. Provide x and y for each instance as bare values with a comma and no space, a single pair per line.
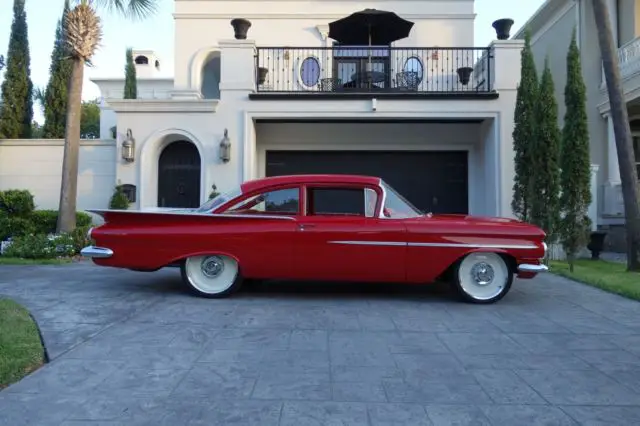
429,113
551,30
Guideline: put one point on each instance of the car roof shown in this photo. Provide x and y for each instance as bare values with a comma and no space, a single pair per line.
256,184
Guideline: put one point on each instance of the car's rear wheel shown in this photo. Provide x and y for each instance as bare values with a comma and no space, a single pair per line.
482,277
211,276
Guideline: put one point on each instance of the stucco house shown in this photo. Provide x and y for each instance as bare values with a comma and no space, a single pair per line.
551,28
428,111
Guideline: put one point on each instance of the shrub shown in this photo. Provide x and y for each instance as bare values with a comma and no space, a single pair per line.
119,200
14,226
41,247
79,238
45,221
17,202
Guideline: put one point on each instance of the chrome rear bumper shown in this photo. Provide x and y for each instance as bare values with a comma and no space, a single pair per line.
96,252
527,267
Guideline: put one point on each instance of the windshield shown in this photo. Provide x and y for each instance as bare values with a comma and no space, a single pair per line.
396,206
218,200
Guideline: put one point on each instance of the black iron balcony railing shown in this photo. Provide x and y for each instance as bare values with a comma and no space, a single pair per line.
358,69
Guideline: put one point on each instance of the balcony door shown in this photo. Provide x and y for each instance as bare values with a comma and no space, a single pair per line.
352,61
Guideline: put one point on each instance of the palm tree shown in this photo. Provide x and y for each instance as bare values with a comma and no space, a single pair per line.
84,34
622,131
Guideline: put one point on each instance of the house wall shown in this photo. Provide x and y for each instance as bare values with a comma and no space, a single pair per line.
200,24
36,165
204,122
628,20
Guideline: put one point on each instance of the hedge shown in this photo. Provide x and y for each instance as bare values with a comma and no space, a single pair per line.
18,216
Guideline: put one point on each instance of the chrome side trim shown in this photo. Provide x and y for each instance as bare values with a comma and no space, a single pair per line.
468,245
250,216
526,267
370,243
96,252
450,245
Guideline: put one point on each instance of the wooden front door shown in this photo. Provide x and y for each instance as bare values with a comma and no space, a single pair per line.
179,176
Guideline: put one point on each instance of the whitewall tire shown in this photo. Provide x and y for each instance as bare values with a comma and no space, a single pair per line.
482,277
211,276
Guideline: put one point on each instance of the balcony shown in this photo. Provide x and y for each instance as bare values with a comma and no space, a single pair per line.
629,58
380,71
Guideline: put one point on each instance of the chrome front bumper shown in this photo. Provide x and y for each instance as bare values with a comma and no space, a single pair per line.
96,252
527,267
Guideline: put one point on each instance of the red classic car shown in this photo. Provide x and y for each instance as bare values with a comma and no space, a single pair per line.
320,228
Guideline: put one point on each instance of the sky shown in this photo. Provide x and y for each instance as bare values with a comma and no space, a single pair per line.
156,33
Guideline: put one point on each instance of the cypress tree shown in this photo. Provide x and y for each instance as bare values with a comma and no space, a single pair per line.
55,96
545,160
575,176
130,83
17,89
524,131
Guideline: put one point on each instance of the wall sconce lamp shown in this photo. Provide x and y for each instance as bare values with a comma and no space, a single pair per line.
129,147
225,147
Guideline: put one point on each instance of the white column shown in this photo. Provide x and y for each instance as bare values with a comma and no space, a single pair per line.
613,16
593,207
612,154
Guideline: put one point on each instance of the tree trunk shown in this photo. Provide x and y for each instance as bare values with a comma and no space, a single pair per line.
69,186
622,131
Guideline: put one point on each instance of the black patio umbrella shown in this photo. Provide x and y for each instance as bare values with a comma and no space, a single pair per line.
370,27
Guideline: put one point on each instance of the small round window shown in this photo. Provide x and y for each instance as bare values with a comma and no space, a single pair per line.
310,72
412,65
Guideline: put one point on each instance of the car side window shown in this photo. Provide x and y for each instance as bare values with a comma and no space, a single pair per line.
341,201
281,201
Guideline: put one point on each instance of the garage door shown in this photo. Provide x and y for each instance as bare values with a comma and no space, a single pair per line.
434,181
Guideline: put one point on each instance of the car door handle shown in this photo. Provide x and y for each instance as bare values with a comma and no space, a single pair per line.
304,226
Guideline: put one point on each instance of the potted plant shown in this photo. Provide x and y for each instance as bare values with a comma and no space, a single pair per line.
262,74
214,192
464,74
240,28
596,243
502,27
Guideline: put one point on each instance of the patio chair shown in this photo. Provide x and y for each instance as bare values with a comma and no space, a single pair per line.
330,84
407,80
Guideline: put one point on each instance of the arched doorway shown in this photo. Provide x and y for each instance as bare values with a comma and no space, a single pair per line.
179,175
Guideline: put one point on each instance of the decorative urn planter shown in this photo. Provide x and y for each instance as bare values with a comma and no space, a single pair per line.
596,244
464,74
240,28
502,27
262,74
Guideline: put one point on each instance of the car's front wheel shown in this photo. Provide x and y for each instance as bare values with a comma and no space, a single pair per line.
211,276
482,277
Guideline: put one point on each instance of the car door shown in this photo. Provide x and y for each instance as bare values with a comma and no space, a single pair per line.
264,231
338,238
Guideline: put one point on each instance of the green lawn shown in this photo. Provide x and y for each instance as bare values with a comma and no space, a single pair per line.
609,276
21,350
18,261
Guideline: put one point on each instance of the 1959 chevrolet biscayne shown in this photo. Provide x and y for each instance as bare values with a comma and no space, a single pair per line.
322,228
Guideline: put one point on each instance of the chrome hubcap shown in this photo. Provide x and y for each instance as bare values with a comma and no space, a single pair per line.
482,273
212,266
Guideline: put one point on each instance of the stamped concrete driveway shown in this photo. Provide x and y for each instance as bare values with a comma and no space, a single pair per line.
132,348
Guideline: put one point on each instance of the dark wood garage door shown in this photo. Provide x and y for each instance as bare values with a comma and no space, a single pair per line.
434,181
